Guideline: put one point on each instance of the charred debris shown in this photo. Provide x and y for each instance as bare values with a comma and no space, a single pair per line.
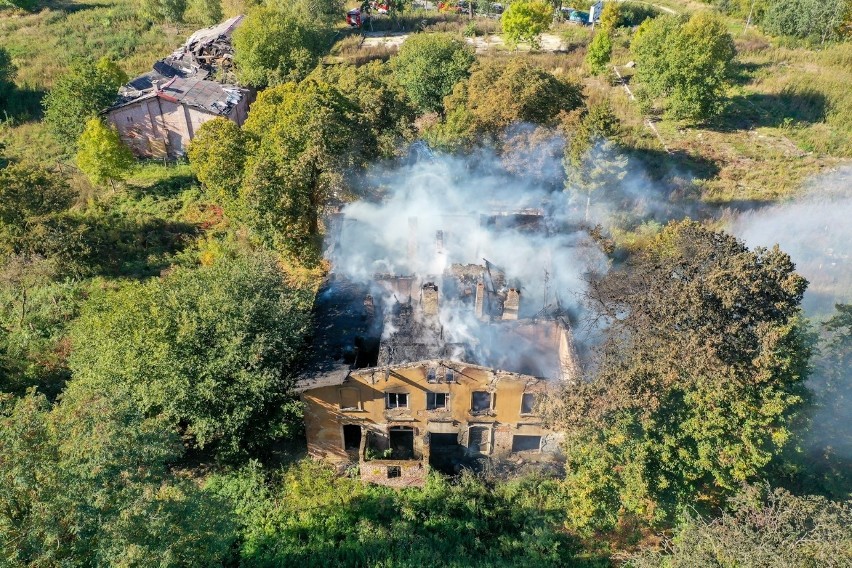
393,319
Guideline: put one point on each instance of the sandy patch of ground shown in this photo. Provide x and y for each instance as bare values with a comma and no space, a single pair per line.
549,42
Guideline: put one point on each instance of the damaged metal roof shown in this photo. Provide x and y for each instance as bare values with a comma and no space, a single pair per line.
184,75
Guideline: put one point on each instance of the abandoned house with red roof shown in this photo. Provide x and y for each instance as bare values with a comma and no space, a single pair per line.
158,113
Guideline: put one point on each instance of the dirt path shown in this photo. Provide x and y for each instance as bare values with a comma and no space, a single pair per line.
549,42
657,6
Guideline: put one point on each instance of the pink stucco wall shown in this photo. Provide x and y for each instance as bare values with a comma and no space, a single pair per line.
156,127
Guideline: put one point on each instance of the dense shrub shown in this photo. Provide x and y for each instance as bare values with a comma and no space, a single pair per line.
310,517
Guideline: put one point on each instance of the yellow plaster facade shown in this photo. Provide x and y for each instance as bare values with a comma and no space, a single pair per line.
403,412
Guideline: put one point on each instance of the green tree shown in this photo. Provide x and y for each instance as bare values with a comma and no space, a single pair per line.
593,163
499,94
164,10
78,95
210,348
600,51
217,155
30,199
525,20
109,72
101,154
386,113
276,45
86,484
7,78
686,63
817,20
290,522
610,17
303,141
28,5
763,529
821,460
698,380
429,65
35,311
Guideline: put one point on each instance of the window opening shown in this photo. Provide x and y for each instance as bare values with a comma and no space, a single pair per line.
525,443
480,401
394,471
351,437
527,403
401,443
436,400
396,400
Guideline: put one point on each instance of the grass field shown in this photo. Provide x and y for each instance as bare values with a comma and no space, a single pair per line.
790,116
790,112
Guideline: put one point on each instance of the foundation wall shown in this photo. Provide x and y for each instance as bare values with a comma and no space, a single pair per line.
394,473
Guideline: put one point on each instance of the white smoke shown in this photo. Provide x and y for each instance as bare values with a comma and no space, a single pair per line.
434,214
815,229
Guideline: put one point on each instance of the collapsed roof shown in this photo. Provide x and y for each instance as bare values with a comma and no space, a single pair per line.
469,313
187,74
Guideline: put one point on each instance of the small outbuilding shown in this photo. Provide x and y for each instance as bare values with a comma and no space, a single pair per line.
158,113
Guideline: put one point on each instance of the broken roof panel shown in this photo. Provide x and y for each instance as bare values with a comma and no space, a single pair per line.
219,32
187,70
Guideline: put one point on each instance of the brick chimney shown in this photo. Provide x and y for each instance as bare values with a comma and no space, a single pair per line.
429,299
512,304
479,303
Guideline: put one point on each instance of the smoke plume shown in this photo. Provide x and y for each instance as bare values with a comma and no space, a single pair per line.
816,231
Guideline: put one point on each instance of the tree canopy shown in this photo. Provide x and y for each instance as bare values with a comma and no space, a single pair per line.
688,64
32,200
429,65
78,95
700,375
384,110
277,44
209,348
499,94
217,155
164,10
525,20
303,139
7,76
462,523
817,20
765,528
101,154
87,482
297,143
600,51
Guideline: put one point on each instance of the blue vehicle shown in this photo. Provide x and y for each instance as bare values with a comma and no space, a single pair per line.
578,17
575,16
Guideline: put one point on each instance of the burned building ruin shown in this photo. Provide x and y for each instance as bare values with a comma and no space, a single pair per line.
438,369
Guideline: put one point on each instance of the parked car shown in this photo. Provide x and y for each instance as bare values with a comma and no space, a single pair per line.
578,17
354,19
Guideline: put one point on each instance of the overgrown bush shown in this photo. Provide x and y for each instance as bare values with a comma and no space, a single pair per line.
308,516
